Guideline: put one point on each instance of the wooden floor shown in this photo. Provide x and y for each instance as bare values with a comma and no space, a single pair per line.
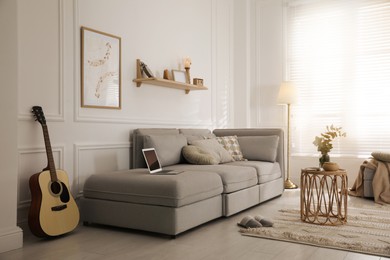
218,239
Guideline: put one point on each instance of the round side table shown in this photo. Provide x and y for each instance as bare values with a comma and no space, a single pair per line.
324,196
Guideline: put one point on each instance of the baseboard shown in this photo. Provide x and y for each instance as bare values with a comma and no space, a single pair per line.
10,239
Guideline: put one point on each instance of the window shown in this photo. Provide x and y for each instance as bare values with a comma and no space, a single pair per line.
338,56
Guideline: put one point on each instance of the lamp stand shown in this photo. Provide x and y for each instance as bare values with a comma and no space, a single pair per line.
288,184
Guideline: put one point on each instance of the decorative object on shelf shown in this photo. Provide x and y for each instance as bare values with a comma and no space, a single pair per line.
330,166
187,65
166,75
163,82
179,75
288,95
324,142
100,69
146,70
198,82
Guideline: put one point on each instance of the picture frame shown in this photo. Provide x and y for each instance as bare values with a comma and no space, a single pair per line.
179,76
100,69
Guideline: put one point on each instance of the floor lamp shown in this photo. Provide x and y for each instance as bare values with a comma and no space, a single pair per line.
287,95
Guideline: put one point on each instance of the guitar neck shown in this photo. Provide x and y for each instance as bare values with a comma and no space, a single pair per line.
49,153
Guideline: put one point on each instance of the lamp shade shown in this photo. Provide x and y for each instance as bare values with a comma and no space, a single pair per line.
287,93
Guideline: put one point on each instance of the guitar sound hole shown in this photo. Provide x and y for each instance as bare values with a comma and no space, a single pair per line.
65,196
56,188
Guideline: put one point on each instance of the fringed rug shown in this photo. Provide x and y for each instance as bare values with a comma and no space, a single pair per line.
366,231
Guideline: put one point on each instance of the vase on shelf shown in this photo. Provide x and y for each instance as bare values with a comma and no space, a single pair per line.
324,158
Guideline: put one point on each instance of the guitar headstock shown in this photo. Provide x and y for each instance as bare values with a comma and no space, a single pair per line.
38,114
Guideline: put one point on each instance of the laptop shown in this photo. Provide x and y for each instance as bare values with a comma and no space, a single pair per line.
154,164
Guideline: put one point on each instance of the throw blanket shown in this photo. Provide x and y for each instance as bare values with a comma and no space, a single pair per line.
380,182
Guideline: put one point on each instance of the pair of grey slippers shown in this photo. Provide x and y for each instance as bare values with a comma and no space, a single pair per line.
255,222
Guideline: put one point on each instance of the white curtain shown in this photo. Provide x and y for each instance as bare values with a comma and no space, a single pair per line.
338,56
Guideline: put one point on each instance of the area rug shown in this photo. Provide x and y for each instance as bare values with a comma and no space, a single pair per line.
367,231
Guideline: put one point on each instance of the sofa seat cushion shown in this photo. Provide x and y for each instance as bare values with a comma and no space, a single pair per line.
266,171
138,186
233,178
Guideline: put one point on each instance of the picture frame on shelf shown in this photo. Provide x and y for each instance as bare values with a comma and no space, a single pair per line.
100,69
179,76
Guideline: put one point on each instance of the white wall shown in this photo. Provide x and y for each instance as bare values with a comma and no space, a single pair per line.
11,236
87,141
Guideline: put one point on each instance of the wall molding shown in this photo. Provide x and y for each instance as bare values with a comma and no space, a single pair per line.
79,147
223,86
259,5
60,117
144,121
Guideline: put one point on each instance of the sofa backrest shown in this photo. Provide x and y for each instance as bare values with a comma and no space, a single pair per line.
259,132
138,143
139,136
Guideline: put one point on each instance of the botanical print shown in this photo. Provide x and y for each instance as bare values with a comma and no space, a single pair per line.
101,69
100,62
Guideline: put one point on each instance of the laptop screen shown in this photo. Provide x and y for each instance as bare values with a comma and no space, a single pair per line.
151,159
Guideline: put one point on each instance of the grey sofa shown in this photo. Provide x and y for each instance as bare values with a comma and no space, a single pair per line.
171,204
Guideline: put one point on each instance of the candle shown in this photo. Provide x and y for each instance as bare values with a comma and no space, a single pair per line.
187,62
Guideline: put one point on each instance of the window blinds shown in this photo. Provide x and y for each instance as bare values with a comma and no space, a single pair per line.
338,56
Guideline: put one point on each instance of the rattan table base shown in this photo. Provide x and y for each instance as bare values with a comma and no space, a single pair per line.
324,196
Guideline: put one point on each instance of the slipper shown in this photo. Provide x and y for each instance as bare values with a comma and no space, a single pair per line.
249,222
264,221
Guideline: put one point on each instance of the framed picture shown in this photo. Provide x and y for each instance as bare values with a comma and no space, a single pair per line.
100,69
179,75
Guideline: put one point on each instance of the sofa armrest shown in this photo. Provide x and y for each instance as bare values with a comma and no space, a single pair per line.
280,158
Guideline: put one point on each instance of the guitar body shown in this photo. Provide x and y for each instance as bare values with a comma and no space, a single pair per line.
53,210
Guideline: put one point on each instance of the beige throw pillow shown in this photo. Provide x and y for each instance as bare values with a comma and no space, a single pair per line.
196,155
230,143
214,148
381,156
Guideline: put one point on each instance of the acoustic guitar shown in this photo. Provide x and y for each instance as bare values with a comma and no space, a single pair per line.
53,211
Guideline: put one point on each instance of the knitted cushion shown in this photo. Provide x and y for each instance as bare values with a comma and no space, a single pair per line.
230,143
197,155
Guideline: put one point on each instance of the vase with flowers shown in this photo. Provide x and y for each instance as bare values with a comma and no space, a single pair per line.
324,142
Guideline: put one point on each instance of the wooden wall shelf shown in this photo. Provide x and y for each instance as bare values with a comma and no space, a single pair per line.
168,84
164,82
